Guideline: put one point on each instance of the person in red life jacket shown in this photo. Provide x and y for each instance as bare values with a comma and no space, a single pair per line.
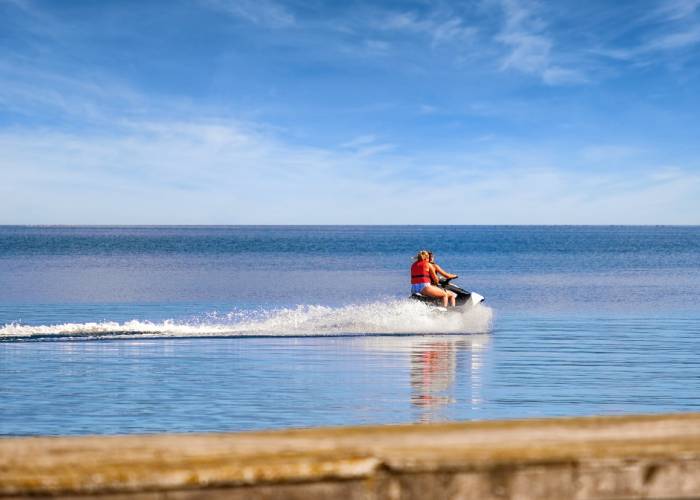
438,270
422,277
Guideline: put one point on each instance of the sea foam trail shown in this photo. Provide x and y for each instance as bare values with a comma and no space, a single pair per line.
378,318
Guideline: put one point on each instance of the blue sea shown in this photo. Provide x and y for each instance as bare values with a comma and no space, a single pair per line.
118,330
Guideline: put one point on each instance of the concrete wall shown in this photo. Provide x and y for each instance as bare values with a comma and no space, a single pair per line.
591,458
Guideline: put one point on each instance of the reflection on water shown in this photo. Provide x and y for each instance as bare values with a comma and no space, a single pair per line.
435,367
528,367
479,343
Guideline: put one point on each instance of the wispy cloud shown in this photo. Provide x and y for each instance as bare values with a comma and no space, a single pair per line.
607,153
531,49
673,10
670,29
674,40
657,48
361,140
366,145
220,171
225,172
134,144
37,91
440,29
263,12
34,25
535,47
530,53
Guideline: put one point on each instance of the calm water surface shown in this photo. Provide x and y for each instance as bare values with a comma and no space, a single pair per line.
129,330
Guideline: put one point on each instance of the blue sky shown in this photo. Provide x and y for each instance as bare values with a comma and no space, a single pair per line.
319,112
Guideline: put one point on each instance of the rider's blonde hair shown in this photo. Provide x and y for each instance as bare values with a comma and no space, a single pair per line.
423,254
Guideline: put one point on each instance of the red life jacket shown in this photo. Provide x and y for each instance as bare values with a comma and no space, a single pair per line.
420,272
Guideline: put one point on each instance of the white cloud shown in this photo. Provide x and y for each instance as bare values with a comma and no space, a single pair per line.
555,75
211,172
377,46
674,10
674,40
227,172
375,149
29,89
656,49
263,12
359,141
536,49
610,153
557,196
531,49
669,29
366,145
451,29
440,29
529,53
107,163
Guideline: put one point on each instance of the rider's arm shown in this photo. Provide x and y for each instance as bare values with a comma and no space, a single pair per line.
441,271
433,277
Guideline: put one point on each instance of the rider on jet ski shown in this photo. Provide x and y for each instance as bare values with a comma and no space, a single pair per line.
438,269
423,276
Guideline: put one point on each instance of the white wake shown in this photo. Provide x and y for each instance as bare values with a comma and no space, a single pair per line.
377,318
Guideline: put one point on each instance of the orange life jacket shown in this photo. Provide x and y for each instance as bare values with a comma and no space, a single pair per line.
420,272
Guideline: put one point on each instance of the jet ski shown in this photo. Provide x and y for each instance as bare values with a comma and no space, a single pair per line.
464,298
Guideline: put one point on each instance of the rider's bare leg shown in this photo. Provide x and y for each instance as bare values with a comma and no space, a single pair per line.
438,293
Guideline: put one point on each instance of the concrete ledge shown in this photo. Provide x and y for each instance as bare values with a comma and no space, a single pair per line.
602,457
